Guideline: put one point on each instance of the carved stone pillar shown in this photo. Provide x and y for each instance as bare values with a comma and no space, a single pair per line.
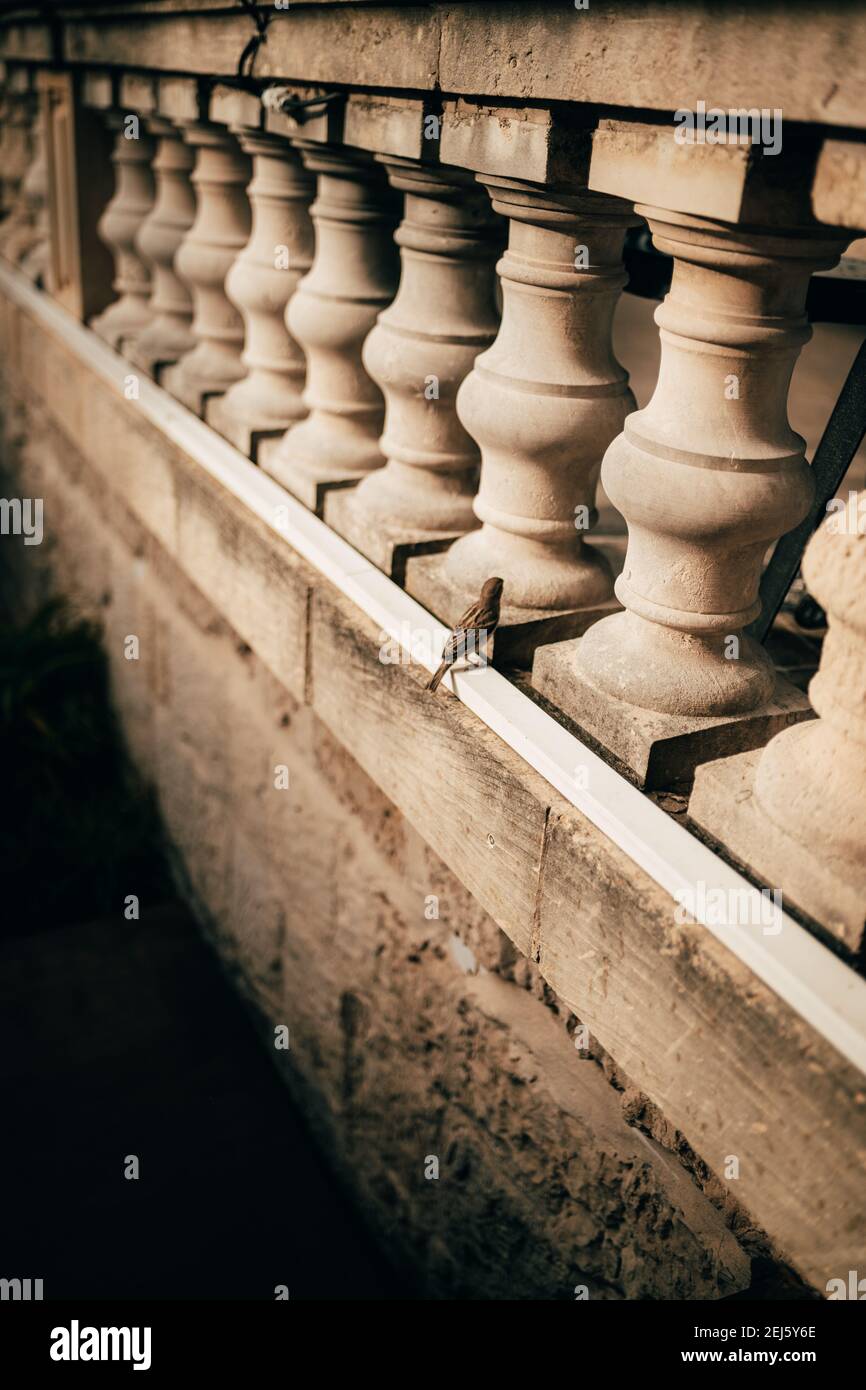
16,152
205,256
133,198
24,233
169,334
353,276
707,477
260,283
419,352
543,403
35,255
795,813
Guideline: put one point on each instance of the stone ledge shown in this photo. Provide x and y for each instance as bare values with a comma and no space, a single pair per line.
513,50
735,1069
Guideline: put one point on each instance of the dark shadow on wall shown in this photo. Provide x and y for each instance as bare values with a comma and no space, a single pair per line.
121,1038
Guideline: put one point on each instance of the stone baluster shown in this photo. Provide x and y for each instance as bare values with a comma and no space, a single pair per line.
168,335
16,157
419,353
795,813
353,277
35,256
133,199
543,402
205,256
708,476
260,283
25,234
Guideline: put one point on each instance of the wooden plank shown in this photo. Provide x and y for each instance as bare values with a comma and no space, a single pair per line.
730,1065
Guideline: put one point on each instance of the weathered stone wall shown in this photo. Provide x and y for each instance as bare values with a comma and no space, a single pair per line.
412,1036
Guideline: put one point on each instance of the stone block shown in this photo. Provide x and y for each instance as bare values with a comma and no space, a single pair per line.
529,144
315,120
138,92
231,106
179,99
839,189
238,432
98,89
657,750
389,547
389,125
724,807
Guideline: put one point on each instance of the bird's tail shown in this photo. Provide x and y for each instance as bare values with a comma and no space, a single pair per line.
435,681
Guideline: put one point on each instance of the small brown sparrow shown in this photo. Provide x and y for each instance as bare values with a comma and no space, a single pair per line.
480,618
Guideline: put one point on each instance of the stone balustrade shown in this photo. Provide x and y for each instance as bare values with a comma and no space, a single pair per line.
419,352
405,316
17,155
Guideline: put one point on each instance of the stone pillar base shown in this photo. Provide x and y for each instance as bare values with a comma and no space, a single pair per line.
388,546
241,433
310,486
657,750
190,393
831,892
117,331
148,360
520,630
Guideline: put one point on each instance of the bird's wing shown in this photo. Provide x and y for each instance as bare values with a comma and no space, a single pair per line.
455,645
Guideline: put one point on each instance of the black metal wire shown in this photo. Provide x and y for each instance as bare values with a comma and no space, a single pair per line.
254,43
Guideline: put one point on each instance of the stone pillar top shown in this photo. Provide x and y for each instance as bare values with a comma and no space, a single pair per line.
138,92
317,120
181,99
839,188
98,89
733,181
530,143
406,127
17,78
233,106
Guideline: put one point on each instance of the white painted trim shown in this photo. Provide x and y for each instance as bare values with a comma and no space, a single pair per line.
814,982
